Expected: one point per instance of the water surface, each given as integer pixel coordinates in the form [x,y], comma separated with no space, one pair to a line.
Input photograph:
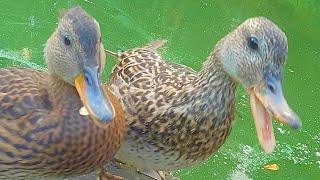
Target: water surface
[193,28]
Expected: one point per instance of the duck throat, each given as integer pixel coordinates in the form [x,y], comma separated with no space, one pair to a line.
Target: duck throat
[213,93]
[207,109]
[60,90]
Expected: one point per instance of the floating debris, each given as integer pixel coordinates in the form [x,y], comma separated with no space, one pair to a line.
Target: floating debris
[272,167]
[83,111]
[26,53]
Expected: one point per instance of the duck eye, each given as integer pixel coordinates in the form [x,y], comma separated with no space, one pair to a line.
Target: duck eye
[253,43]
[67,40]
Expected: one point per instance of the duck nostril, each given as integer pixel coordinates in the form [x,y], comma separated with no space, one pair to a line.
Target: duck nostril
[272,88]
[87,79]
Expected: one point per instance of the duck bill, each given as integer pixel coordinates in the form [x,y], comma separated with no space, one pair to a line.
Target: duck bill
[92,95]
[267,101]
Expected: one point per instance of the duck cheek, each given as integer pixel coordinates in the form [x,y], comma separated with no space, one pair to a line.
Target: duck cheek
[102,59]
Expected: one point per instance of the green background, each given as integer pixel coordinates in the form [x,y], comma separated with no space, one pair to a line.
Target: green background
[193,28]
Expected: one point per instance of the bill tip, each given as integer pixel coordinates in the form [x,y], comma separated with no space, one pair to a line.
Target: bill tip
[296,124]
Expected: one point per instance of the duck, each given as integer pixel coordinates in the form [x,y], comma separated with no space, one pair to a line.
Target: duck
[62,122]
[177,117]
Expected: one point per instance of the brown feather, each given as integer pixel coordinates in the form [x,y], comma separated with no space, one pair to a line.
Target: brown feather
[43,134]
[177,117]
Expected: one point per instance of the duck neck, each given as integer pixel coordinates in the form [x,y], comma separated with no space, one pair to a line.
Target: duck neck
[59,89]
[213,93]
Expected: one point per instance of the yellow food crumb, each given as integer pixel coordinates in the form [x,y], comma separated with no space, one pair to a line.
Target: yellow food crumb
[83,111]
[272,167]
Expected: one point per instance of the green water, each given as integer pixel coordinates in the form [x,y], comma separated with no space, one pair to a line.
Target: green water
[192,28]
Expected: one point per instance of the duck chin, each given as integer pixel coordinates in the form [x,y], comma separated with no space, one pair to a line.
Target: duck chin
[263,121]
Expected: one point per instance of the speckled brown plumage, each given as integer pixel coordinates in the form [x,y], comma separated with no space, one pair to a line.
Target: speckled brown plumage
[42,134]
[177,117]
[163,106]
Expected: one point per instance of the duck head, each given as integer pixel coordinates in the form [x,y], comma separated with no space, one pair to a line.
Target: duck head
[74,53]
[254,55]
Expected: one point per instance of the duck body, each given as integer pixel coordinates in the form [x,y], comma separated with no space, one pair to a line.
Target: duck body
[162,108]
[43,133]
[177,117]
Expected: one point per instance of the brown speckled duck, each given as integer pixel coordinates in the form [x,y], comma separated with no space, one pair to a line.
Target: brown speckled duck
[177,117]
[43,132]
